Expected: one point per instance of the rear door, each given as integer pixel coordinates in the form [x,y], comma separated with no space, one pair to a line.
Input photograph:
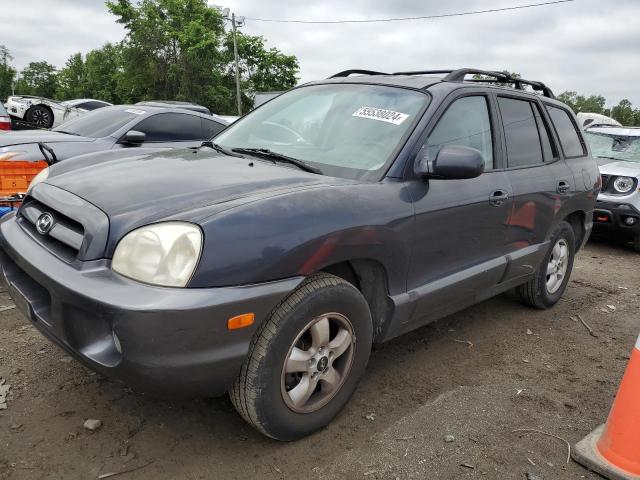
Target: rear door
[460,229]
[540,180]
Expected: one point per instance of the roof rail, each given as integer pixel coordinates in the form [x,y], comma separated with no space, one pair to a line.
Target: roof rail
[460,74]
[356,71]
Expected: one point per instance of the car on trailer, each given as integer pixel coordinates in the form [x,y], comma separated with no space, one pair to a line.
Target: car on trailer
[342,213]
[617,151]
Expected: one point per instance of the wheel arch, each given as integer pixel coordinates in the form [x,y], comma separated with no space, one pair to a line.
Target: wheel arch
[577,221]
[370,277]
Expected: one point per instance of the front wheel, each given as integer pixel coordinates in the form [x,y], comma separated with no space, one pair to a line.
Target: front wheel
[306,360]
[550,281]
[40,116]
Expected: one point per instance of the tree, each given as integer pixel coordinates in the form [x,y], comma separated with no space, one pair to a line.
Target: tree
[7,73]
[582,103]
[624,113]
[38,78]
[71,79]
[179,50]
[104,75]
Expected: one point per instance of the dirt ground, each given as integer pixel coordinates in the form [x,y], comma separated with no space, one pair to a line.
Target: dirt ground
[522,369]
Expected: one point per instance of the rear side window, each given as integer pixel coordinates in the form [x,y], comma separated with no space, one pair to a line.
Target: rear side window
[171,127]
[466,122]
[548,147]
[521,132]
[572,145]
[210,128]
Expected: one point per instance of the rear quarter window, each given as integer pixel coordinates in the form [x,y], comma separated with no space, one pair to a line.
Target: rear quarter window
[570,140]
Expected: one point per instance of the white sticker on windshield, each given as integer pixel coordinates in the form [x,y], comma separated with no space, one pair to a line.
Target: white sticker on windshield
[381,114]
[135,112]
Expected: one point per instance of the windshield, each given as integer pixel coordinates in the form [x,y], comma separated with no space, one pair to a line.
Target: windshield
[100,123]
[345,130]
[618,147]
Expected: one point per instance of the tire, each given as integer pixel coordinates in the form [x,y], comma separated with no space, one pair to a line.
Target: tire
[636,242]
[40,116]
[537,292]
[261,391]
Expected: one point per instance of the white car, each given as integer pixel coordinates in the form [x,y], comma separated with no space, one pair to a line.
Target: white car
[46,113]
[595,119]
[617,151]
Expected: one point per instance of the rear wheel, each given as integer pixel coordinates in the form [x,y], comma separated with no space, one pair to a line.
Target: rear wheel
[40,116]
[306,360]
[550,281]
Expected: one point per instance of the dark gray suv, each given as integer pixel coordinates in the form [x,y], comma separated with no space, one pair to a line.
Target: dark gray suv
[342,213]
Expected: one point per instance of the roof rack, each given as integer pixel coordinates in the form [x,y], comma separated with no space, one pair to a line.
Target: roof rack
[460,74]
[356,71]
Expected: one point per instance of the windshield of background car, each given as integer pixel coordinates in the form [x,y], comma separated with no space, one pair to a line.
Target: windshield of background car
[345,130]
[614,146]
[100,123]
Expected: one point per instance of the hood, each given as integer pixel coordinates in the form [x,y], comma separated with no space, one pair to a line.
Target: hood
[618,167]
[180,184]
[22,137]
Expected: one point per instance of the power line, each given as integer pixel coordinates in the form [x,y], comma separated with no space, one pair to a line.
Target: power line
[424,17]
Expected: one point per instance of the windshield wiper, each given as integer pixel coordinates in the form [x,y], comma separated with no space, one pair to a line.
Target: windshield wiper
[68,133]
[278,157]
[220,149]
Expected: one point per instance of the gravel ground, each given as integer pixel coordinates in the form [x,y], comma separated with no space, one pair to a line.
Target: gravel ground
[444,401]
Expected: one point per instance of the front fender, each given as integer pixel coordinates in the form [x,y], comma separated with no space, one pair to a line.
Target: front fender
[301,232]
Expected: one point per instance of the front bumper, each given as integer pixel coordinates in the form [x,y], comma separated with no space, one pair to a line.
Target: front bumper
[167,341]
[612,216]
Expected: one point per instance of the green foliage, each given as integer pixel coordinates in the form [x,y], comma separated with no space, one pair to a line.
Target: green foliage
[71,79]
[581,103]
[39,78]
[7,73]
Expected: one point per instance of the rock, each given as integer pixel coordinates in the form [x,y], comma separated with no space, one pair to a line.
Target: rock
[42,351]
[16,371]
[611,307]
[92,424]
[66,359]
[449,438]
[529,332]
[371,417]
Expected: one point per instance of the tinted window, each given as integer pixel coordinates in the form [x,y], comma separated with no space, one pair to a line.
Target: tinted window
[569,137]
[170,127]
[99,123]
[521,132]
[210,128]
[466,122]
[548,147]
[92,105]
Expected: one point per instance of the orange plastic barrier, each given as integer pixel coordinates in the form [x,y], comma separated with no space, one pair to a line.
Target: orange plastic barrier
[16,175]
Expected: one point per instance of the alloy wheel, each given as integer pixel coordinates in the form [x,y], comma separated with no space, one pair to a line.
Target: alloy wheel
[557,266]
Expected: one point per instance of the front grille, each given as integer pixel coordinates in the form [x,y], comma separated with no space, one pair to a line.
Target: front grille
[64,238]
[78,230]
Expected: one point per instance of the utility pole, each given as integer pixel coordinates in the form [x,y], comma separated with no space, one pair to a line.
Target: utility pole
[235,23]
[235,54]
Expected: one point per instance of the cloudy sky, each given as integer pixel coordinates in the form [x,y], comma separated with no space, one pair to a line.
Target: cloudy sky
[591,46]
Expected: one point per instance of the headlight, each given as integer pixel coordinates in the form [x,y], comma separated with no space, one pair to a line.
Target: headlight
[164,254]
[39,178]
[623,184]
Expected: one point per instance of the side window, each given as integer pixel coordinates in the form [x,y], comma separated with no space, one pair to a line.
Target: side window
[521,132]
[210,128]
[548,146]
[466,122]
[170,127]
[570,140]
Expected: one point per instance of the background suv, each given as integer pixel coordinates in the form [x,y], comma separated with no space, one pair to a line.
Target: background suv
[341,213]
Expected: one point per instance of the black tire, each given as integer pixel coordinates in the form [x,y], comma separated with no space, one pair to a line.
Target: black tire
[636,242]
[40,115]
[257,391]
[535,293]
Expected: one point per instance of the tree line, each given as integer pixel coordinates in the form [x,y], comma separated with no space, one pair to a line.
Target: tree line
[173,50]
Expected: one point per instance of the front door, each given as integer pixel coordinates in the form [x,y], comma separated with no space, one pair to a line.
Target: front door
[460,225]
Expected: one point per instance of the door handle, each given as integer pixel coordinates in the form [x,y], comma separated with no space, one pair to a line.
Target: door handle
[498,198]
[563,187]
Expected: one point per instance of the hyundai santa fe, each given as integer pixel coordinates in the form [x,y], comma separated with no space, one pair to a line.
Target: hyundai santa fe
[266,262]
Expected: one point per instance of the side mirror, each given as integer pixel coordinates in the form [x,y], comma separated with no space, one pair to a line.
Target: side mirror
[453,162]
[133,137]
